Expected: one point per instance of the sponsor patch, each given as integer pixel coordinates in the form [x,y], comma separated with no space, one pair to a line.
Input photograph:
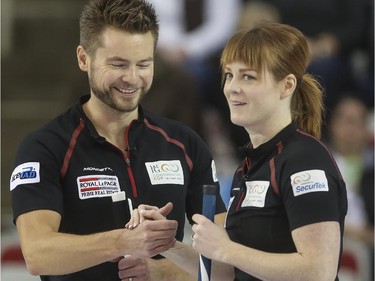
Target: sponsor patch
[255,194]
[94,186]
[25,173]
[309,181]
[165,172]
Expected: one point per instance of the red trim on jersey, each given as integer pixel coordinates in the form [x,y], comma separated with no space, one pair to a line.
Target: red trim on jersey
[274,185]
[70,150]
[174,141]
[325,147]
[280,147]
[240,201]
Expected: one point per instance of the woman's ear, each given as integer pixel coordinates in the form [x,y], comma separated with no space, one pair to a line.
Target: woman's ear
[82,58]
[290,84]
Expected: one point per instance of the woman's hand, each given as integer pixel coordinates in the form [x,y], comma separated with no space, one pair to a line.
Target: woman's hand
[148,212]
[208,238]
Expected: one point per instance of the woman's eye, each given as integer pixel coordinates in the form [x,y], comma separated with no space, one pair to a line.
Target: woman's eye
[228,76]
[248,77]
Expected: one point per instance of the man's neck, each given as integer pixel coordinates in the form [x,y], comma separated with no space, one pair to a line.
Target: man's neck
[109,123]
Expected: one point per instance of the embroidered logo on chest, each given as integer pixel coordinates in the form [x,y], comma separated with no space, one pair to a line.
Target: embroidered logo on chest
[255,194]
[94,186]
[165,172]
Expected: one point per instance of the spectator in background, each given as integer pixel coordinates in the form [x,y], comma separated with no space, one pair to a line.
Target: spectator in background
[348,139]
[335,28]
[194,31]
[172,95]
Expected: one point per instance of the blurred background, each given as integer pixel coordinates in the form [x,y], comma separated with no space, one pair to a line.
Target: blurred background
[40,79]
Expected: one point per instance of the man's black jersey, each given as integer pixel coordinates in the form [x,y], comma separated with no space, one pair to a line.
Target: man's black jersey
[67,167]
[286,183]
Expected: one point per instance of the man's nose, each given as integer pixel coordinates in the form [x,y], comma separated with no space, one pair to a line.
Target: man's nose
[130,75]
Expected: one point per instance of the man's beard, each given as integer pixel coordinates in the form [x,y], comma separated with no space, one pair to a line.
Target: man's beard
[109,98]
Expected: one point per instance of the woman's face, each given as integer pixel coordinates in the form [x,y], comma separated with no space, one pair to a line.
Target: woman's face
[254,99]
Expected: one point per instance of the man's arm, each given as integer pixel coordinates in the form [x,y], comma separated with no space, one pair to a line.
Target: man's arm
[48,252]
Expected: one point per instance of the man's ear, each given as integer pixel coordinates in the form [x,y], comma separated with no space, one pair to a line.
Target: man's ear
[290,84]
[82,58]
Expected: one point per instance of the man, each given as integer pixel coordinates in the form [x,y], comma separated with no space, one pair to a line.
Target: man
[66,172]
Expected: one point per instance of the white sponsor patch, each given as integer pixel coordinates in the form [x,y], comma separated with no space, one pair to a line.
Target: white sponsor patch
[255,193]
[165,172]
[25,173]
[94,186]
[214,173]
[309,181]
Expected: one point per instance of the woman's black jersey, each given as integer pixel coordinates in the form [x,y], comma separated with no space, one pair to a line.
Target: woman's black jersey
[286,183]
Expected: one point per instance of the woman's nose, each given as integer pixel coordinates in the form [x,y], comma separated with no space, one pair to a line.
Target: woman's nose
[232,87]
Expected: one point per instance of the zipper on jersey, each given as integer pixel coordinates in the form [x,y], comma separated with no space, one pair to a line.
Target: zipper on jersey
[127,155]
[240,188]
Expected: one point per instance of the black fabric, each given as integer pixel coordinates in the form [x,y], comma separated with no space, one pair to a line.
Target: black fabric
[95,168]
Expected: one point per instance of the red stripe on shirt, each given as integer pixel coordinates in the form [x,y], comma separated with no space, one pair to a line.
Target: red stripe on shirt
[72,144]
[171,140]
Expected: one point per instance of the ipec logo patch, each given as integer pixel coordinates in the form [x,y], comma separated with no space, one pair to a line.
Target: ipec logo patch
[26,173]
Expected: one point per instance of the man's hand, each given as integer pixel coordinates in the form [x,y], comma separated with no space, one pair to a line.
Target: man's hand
[149,232]
[150,237]
[135,268]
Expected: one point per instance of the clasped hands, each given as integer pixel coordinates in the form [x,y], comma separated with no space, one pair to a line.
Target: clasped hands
[207,236]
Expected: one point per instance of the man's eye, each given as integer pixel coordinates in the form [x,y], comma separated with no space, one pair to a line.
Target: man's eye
[117,64]
[143,65]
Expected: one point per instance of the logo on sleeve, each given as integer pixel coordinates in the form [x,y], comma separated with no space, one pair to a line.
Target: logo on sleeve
[94,186]
[25,173]
[165,172]
[309,181]
[255,194]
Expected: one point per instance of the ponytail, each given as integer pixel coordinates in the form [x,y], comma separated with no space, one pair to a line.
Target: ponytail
[307,106]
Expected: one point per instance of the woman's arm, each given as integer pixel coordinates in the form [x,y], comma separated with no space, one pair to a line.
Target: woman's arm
[318,247]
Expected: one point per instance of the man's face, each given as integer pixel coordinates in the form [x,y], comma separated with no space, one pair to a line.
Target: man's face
[121,70]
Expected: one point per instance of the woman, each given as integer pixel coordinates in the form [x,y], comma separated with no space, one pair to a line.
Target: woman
[288,201]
